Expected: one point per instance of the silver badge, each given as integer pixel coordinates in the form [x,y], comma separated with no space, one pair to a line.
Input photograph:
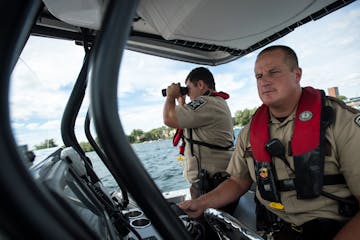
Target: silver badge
[195,104]
[357,120]
[305,116]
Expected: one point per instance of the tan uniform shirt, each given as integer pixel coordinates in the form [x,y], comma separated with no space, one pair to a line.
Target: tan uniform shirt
[344,138]
[210,119]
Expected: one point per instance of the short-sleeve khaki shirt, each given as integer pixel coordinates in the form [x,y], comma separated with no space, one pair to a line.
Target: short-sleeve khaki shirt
[344,158]
[210,119]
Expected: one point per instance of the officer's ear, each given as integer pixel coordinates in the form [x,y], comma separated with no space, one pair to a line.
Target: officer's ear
[201,84]
[298,72]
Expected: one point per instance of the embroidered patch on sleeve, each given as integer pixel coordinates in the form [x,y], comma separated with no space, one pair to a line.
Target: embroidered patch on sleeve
[196,103]
[357,120]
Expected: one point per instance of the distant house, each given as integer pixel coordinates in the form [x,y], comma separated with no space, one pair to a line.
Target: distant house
[353,102]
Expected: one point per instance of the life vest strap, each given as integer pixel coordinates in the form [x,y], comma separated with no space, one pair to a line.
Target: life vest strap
[289,184]
[209,145]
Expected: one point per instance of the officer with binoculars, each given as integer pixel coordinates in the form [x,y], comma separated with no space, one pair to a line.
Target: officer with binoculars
[206,126]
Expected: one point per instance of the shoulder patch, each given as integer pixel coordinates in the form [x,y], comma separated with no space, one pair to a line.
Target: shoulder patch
[357,120]
[195,104]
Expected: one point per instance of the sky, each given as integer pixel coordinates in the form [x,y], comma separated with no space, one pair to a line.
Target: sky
[328,52]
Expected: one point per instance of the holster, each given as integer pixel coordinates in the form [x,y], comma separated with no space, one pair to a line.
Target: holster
[204,181]
[207,183]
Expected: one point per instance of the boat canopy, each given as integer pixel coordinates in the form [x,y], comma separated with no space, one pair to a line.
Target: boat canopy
[208,32]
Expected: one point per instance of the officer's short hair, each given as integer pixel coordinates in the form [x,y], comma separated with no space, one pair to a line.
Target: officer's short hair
[290,56]
[201,73]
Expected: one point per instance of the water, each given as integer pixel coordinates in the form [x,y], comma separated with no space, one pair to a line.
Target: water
[158,157]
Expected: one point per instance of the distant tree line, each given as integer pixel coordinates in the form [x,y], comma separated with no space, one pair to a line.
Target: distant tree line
[342,98]
[47,143]
[241,118]
[138,135]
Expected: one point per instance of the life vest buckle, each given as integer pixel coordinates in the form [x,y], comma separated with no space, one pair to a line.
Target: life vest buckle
[276,205]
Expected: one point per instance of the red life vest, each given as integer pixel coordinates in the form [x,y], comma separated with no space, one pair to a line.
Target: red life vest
[307,147]
[306,134]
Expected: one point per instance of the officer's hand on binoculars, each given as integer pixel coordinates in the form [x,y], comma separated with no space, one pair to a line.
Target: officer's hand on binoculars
[173,91]
[175,87]
[181,99]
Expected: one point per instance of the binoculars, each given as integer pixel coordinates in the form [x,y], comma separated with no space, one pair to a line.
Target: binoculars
[183,91]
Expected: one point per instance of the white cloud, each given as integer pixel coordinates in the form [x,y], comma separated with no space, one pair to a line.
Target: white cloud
[142,117]
[144,72]
[41,83]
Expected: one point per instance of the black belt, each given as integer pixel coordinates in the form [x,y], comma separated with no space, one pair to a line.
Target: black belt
[289,184]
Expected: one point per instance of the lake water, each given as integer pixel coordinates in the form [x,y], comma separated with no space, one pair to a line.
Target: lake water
[160,160]
[158,157]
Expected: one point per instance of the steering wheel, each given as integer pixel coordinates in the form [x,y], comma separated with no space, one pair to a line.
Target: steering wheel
[228,227]
[194,227]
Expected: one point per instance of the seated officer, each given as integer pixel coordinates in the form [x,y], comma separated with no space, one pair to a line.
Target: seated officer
[302,151]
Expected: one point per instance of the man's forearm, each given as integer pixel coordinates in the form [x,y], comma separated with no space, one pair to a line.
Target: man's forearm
[169,113]
[225,193]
